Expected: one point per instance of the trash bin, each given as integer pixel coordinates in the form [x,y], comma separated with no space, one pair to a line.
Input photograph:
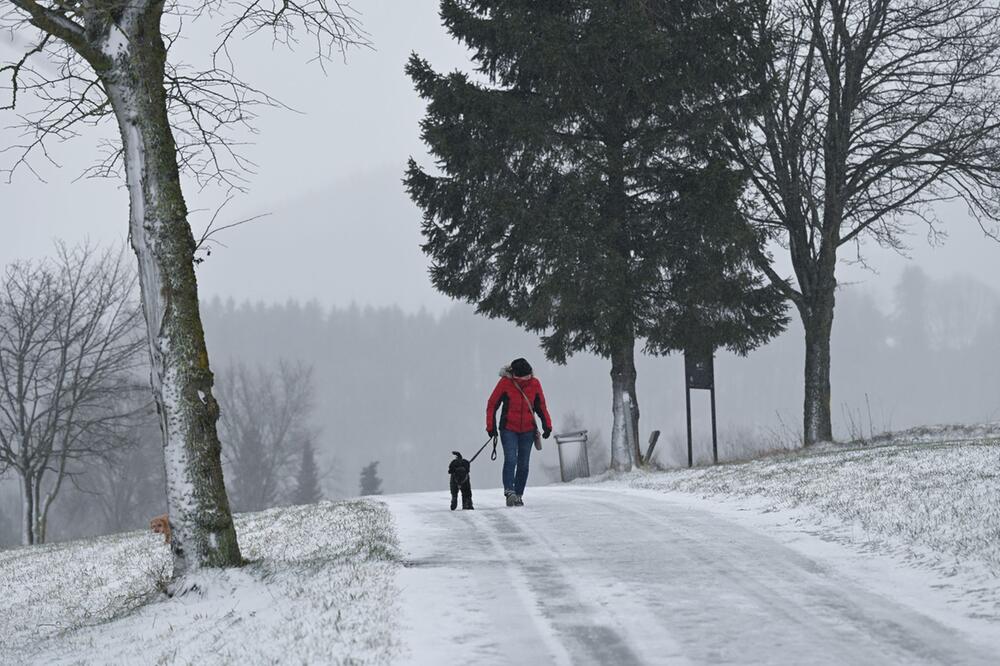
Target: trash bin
[573,461]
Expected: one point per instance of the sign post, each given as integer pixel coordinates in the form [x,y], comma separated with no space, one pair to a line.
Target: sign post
[581,466]
[699,373]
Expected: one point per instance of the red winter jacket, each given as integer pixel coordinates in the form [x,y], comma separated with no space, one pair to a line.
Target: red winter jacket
[516,414]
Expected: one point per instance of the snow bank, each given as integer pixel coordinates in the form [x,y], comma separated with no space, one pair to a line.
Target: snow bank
[927,495]
[941,434]
[319,588]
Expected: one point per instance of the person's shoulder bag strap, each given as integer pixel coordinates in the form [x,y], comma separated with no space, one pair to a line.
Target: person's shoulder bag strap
[531,410]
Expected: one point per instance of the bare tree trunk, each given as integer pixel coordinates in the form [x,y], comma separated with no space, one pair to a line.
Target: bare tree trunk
[27,511]
[818,323]
[36,505]
[42,507]
[625,426]
[200,517]
[41,523]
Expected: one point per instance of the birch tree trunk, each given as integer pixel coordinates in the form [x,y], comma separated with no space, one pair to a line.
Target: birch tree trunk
[201,521]
[625,425]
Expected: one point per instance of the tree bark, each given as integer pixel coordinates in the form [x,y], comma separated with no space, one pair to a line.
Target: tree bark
[36,505]
[42,507]
[817,319]
[625,426]
[27,511]
[203,534]
[42,523]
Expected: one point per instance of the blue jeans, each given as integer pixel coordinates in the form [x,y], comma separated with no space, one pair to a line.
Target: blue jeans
[516,453]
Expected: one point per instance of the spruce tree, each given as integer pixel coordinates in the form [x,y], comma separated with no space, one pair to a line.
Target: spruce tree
[371,484]
[307,490]
[581,190]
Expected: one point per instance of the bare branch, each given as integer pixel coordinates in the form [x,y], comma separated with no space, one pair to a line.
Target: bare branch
[331,25]
[208,106]
[208,236]
[878,111]
[70,337]
[53,22]
[16,68]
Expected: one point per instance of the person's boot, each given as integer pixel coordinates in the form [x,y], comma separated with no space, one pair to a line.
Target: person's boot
[518,501]
[510,498]
[454,502]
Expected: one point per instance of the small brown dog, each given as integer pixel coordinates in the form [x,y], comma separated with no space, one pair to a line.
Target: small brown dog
[161,525]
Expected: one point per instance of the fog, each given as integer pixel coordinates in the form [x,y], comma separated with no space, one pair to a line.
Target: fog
[340,229]
[406,389]
[333,276]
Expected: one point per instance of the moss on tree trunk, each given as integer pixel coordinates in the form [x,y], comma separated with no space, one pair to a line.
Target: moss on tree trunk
[200,517]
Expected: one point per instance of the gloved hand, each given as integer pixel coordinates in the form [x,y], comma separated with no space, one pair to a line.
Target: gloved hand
[491,433]
[546,433]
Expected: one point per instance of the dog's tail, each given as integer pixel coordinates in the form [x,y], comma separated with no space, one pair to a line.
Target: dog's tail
[457,454]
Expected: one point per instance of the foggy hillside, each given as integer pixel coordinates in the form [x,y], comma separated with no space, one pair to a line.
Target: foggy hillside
[405,389]
[376,368]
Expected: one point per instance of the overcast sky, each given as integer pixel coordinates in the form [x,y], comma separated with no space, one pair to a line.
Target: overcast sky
[341,228]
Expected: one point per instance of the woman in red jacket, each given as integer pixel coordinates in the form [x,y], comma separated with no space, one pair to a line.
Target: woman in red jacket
[521,396]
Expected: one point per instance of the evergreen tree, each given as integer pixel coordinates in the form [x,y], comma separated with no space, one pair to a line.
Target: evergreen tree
[307,490]
[583,194]
[371,484]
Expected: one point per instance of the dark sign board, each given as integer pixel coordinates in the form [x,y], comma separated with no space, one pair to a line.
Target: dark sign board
[698,369]
[699,374]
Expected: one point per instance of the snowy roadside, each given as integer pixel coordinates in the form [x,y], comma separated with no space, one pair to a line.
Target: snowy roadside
[929,502]
[319,589]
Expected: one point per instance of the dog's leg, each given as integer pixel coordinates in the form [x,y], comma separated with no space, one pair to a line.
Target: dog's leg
[454,494]
[467,494]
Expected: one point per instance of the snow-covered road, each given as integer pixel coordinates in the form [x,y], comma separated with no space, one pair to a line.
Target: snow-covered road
[589,575]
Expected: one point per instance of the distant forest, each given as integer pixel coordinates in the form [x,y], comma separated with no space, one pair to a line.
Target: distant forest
[406,389]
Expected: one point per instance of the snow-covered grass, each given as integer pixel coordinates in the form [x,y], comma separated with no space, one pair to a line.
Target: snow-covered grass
[319,588]
[930,495]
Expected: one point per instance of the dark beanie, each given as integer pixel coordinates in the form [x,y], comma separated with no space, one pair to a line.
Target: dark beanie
[520,368]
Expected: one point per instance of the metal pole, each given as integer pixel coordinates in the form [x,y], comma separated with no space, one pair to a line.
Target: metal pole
[687,396]
[715,445]
[562,472]
[586,457]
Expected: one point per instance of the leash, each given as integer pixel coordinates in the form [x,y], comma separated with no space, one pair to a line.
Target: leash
[493,456]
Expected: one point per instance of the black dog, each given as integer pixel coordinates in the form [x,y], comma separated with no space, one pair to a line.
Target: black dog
[459,471]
